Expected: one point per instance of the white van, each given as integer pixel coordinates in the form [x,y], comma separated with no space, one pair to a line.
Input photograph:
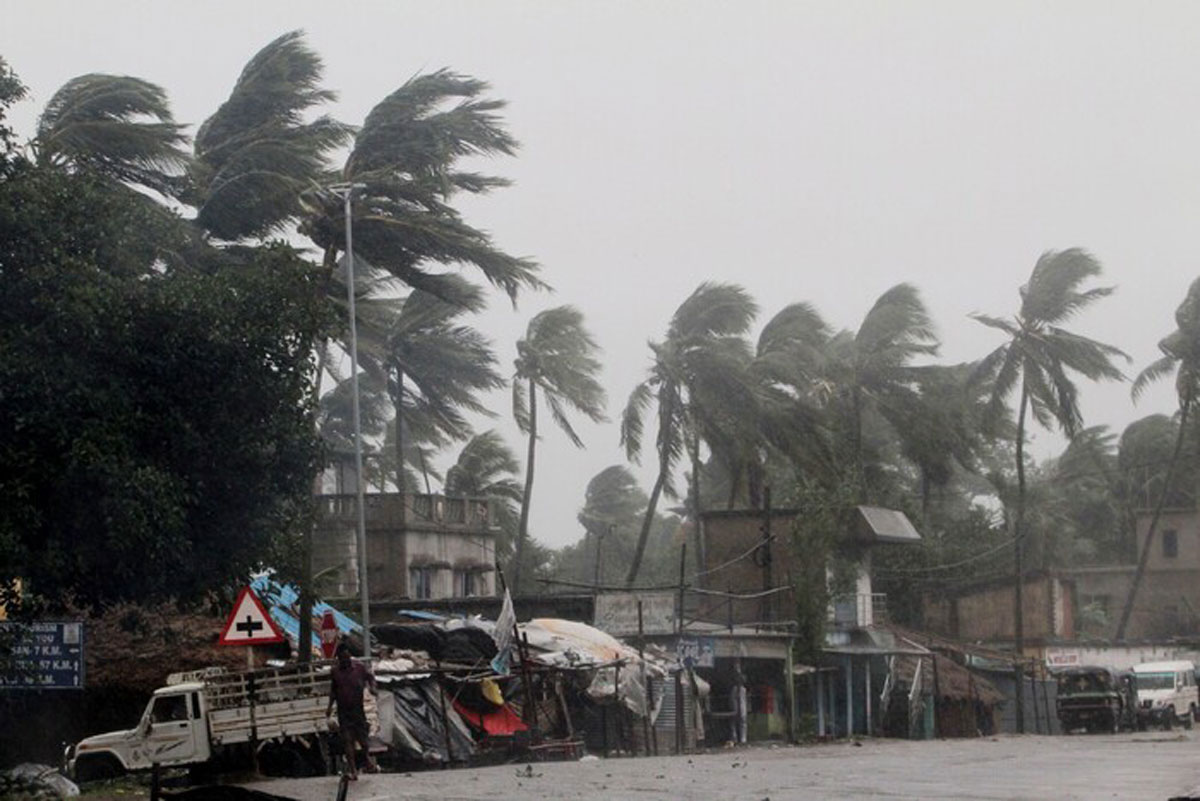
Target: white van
[1167,692]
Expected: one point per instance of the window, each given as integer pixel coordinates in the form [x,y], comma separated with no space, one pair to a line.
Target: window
[1170,546]
[466,583]
[420,582]
[169,708]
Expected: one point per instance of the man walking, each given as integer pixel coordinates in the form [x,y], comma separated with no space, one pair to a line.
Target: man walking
[347,681]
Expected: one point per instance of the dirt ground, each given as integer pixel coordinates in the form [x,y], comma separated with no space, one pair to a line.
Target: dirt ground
[1141,766]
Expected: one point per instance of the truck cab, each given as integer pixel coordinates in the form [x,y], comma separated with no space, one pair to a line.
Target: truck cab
[173,730]
[1167,692]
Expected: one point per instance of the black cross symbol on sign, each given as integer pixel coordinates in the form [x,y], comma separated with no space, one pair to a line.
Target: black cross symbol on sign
[249,626]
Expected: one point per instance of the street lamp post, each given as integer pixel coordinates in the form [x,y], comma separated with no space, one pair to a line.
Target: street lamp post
[347,193]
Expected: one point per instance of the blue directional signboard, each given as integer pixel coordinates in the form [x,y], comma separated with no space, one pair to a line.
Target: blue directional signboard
[47,655]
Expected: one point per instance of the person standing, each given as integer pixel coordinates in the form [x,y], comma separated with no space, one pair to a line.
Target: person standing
[347,682]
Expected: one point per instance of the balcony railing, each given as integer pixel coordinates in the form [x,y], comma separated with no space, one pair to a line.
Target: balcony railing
[422,509]
[856,610]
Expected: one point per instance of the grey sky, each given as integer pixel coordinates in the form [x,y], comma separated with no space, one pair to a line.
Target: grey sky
[809,151]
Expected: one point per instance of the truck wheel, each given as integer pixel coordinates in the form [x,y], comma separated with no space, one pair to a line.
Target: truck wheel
[97,768]
[1187,719]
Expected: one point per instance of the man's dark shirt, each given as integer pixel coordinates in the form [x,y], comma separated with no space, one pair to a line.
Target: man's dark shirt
[347,686]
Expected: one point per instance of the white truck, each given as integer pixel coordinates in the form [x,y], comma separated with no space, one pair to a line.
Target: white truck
[1167,693]
[221,718]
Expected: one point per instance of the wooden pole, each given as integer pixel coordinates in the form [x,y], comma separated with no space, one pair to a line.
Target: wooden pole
[645,681]
[445,718]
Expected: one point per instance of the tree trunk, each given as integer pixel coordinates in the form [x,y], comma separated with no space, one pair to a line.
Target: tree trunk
[398,405]
[1019,567]
[859,467]
[523,526]
[1144,557]
[647,521]
[304,636]
[696,524]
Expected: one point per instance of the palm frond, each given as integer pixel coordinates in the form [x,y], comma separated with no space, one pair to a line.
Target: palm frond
[117,126]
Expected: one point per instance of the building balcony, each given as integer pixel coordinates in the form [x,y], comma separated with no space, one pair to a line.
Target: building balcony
[391,510]
[857,610]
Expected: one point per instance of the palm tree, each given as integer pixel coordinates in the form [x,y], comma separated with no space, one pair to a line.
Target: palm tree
[697,375]
[1040,355]
[404,158]
[557,356]
[1181,355]
[256,155]
[117,126]
[789,360]
[870,375]
[435,366]
[487,468]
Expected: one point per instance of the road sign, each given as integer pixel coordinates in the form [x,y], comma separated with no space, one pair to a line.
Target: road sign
[249,623]
[46,655]
[329,634]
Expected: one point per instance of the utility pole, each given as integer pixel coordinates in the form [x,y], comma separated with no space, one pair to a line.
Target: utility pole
[766,555]
[347,193]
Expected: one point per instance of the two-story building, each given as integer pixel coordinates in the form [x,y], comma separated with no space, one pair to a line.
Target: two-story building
[419,546]
[748,577]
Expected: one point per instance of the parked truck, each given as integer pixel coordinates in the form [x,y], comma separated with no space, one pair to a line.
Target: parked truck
[219,718]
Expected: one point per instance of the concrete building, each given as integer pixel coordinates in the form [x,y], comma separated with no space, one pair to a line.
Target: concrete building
[1168,602]
[419,546]
[983,612]
[750,552]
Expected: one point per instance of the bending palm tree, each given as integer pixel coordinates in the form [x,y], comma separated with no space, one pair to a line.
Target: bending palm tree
[1039,355]
[117,126]
[697,374]
[1181,353]
[435,367]
[870,372]
[487,468]
[256,155]
[557,356]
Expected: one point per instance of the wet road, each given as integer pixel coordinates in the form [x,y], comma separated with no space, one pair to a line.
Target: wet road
[1152,765]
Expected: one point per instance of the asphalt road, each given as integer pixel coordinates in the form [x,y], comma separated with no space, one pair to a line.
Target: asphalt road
[1146,766]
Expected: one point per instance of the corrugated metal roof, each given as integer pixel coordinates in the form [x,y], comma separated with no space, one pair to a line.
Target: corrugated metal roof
[886,525]
[283,603]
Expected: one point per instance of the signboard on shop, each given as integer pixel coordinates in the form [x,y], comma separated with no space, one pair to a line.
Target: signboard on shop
[46,655]
[694,652]
[617,612]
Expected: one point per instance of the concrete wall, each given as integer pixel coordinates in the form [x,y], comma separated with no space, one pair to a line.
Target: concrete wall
[986,614]
[729,535]
[1166,605]
[1186,525]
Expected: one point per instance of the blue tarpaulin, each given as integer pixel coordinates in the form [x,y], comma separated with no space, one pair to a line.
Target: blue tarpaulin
[283,604]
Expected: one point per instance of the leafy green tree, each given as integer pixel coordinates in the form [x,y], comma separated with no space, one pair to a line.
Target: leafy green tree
[1181,355]
[170,450]
[697,374]
[557,356]
[1040,356]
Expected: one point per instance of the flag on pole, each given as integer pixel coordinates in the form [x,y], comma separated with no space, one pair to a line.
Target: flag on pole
[506,625]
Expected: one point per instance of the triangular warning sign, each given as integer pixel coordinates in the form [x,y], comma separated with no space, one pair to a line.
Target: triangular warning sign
[249,624]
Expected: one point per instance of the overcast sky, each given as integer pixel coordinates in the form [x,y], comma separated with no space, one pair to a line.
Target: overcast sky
[808,151]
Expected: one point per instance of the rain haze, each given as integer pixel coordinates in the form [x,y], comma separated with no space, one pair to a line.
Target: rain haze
[807,151]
